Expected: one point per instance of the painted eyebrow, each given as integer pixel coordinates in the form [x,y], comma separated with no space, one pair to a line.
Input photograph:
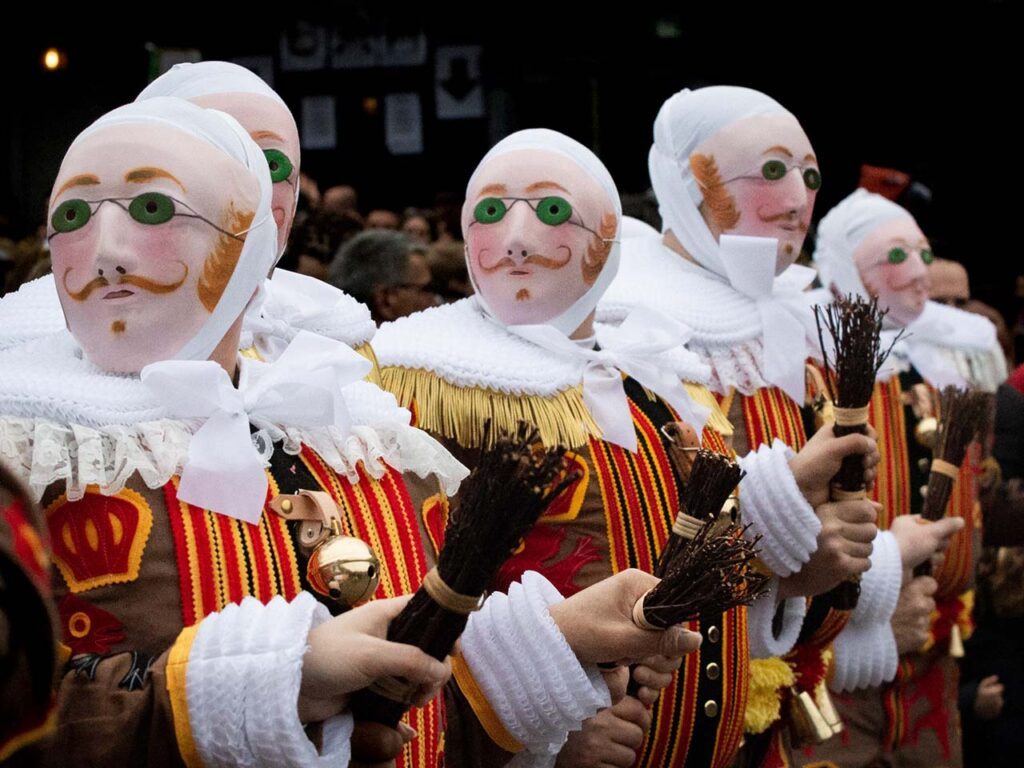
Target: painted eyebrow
[494,189]
[810,159]
[257,135]
[81,180]
[140,175]
[778,148]
[545,185]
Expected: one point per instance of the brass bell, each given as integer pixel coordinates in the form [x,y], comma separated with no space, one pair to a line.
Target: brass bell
[956,642]
[828,708]
[807,725]
[344,568]
[925,430]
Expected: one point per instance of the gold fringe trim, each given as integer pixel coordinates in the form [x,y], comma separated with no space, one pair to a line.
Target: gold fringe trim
[366,350]
[718,420]
[459,413]
[768,678]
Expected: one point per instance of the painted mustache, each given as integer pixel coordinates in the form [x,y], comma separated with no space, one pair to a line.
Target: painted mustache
[533,258]
[145,283]
[782,218]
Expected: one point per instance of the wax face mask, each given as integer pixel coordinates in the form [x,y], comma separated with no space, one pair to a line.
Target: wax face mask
[538,233]
[273,129]
[759,177]
[146,227]
[892,261]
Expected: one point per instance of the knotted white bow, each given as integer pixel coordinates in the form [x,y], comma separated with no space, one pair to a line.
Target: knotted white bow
[302,388]
[637,348]
[787,320]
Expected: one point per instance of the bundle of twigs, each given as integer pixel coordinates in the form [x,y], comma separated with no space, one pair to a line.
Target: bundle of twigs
[709,480]
[962,415]
[708,574]
[512,484]
[851,361]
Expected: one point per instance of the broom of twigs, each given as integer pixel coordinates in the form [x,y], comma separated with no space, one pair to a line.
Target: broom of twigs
[709,479]
[512,484]
[963,414]
[706,565]
[854,326]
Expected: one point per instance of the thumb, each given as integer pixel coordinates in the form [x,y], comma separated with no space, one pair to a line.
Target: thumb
[390,659]
[677,642]
[946,527]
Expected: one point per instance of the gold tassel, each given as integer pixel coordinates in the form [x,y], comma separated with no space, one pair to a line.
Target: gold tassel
[718,420]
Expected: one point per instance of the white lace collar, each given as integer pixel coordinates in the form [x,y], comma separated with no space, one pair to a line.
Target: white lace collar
[457,343]
[726,324]
[63,420]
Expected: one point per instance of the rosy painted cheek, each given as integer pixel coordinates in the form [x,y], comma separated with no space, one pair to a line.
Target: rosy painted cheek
[485,246]
[74,250]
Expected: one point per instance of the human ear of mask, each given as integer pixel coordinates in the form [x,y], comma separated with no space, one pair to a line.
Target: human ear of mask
[540,220]
[160,232]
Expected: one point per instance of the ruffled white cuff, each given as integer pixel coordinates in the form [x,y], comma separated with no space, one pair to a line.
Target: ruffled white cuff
[242,686]
[526,669]
[764,644]
[865,651]
[776,510]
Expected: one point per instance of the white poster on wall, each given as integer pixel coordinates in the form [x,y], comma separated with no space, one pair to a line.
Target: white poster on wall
[318,127]
[403,123]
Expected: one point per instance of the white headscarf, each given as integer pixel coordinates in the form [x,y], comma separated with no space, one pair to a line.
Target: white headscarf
[206,78]
[684,122]
[260,249]
[843,229]
[641,339]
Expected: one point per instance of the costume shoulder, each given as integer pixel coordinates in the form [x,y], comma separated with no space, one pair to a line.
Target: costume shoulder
[458,369]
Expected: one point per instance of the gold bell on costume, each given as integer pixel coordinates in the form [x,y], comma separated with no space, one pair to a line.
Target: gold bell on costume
[341,567]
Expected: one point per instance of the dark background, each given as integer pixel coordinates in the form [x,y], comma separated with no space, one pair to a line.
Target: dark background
[891,84]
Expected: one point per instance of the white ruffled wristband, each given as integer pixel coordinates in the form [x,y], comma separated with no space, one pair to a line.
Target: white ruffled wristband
[764,644]
[242,686]
[776,510]
[526,669]
[865,651]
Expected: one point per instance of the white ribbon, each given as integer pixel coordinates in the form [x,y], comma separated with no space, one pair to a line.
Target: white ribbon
[634,347]
[787,320]
[224,471]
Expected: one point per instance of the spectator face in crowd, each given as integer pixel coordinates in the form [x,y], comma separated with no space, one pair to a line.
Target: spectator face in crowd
[417,229]
[949,284]
[339,199]
[382,270]
[379,218]
[447,262]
